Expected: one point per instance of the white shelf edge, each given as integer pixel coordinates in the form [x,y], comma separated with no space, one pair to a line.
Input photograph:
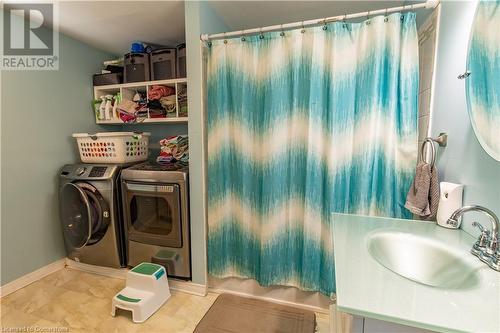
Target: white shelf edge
[145,121]
[140,84]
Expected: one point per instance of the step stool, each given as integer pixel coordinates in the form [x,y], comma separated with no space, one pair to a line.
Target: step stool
[146,290]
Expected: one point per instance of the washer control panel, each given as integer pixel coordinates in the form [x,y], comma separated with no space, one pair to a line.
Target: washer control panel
[80,170]
[88,171]
[97,171]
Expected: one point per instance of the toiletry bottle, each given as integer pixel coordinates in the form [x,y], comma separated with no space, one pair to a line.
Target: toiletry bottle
[102,108]
[116,101]
[108,107]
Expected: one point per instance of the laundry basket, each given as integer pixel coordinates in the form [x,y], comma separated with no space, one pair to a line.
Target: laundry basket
[113,147]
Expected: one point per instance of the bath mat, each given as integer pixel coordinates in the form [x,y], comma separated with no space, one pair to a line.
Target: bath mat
[235,314]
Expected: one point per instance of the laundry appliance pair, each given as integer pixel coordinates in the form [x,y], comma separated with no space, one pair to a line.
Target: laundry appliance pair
[117,216]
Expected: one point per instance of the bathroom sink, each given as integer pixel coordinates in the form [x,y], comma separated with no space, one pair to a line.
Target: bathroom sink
[423,260]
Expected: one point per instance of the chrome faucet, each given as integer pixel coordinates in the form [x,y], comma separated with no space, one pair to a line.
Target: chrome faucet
[486,247]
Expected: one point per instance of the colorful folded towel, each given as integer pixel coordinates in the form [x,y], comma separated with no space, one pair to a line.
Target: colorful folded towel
[157,92]
[174,148]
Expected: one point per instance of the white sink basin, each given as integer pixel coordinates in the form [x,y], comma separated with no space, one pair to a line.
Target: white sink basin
[423,260]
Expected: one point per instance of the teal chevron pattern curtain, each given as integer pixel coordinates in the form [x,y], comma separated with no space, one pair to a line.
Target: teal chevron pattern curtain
[302,124]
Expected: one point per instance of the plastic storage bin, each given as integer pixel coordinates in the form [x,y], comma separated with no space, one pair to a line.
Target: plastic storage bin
[113,147]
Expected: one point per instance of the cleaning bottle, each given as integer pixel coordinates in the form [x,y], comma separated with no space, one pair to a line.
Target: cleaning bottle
[108,107]
[102,108]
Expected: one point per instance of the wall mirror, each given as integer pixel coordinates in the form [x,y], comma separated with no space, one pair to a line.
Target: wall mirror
[483,84]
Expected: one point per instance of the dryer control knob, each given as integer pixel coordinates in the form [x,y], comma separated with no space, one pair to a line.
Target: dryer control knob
[80,170]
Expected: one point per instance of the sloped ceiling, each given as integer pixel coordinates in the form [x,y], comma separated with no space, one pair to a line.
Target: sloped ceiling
[112,25]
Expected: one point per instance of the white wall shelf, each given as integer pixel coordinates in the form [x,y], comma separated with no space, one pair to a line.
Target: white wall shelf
[127,91]
[145,121]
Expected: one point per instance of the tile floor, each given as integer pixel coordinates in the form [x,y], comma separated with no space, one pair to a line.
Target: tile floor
[74,301]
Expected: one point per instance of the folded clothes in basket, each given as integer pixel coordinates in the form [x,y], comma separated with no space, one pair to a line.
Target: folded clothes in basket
[174,148]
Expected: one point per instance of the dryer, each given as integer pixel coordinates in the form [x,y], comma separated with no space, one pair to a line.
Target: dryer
[155,202]
[90,214]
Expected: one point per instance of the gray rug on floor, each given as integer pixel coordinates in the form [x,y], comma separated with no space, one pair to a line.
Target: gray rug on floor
[235,314]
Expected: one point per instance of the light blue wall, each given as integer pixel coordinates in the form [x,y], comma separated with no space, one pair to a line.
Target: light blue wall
[200,18]
[463,160]
[40,111]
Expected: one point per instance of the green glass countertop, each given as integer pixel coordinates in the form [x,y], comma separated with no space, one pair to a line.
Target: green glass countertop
[368,289]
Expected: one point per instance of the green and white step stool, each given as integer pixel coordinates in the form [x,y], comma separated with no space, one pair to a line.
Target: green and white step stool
[146,290]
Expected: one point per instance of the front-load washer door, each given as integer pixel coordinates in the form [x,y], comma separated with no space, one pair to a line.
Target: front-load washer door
[85,214]
[76,216]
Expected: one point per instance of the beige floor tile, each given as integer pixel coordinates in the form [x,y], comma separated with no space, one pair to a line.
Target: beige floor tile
[18,318]
[4,309]
[43,325]
[82,303]
[122,323]
[32,297]
[95,285]
[62,276]
[63,306]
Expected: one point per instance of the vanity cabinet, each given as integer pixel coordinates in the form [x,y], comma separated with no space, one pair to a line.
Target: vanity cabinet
[342,322]
[379,326]
[369,325]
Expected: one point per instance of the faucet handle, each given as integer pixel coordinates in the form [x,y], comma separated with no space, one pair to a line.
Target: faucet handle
[479,226]
[482,242]
[495,261]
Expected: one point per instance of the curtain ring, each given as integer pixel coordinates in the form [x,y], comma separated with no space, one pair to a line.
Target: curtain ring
[243,37]
[344,23]
[368,18]
[261,36]
[225,40]
[282,33]
[303,29]
[324,24]
[386,18]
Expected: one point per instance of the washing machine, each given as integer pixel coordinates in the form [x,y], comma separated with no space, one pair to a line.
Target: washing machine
[90,214]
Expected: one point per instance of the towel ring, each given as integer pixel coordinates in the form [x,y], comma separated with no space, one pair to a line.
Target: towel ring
[433,151]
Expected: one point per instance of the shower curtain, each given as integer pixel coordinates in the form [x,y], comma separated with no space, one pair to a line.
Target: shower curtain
[302,124]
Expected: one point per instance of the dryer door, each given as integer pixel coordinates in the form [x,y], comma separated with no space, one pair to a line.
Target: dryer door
[76,216]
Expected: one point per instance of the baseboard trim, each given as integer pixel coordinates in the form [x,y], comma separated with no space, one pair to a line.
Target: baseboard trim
[121,273]
[270,299]
[188,287]
[29,278]
[118,273]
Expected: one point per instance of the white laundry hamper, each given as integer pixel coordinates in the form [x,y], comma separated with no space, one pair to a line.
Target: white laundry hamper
[113,147]
[146,290]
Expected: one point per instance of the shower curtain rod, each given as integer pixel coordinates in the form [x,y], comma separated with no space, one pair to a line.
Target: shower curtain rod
[303,24]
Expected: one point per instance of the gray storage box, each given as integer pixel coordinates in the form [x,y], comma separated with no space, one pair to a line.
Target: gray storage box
[107,78]
[162,64]
[136,67]
[181,61]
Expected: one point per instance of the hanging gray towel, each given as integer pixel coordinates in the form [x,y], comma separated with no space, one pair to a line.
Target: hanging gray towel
[417,199]
[433,193]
